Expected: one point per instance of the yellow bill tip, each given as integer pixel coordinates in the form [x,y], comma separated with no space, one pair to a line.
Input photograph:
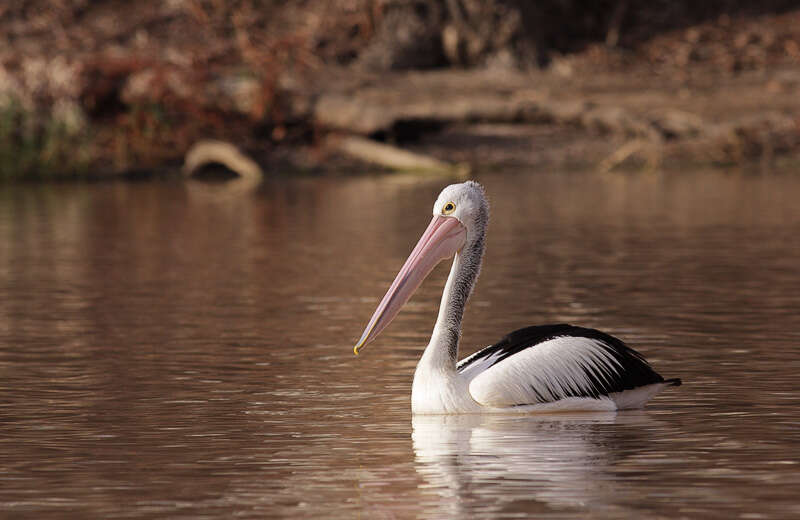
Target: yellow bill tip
[360,344]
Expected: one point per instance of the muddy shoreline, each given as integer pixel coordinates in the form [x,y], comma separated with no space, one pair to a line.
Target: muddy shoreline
[135,97]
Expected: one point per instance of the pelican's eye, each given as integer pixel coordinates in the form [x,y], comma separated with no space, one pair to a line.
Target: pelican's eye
[448,208]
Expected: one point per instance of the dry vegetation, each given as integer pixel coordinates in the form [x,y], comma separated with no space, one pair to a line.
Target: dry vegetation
[106,86]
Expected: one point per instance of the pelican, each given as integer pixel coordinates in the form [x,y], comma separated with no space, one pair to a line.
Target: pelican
[542,368]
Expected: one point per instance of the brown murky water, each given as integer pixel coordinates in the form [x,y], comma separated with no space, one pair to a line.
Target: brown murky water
[171,350]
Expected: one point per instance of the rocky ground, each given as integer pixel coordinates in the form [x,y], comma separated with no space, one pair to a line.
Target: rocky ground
[106,88]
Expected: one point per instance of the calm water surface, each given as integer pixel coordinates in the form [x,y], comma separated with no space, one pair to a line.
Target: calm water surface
[183,351]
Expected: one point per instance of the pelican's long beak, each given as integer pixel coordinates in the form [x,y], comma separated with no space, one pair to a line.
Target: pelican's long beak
[443,238]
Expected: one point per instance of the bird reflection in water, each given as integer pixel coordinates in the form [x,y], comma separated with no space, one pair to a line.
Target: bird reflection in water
[506,464]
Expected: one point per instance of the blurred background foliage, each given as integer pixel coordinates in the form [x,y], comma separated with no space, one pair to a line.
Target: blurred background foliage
[134,84]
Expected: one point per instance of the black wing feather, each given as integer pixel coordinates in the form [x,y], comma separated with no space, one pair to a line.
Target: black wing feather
[632,371]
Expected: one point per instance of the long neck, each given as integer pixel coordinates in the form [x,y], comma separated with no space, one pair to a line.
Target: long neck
[442,351]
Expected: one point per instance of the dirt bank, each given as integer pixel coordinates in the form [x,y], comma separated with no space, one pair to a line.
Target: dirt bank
[104,88]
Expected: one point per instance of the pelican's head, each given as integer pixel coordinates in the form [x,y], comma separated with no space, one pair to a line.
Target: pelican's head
[460,216]
[466,202]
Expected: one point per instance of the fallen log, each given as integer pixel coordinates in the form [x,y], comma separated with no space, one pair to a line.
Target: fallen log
[207,152]
[392,157]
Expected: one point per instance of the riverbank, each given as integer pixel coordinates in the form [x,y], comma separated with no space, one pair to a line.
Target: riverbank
[132,89]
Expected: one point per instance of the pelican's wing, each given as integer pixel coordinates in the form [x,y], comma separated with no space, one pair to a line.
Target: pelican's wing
[546,363]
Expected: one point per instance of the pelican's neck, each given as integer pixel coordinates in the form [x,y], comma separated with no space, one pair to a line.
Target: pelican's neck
[442,350]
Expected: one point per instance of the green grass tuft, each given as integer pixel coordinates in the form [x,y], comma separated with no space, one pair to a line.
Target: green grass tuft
[35,146]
